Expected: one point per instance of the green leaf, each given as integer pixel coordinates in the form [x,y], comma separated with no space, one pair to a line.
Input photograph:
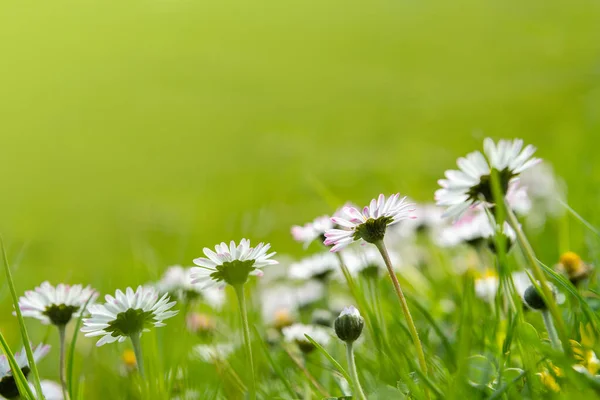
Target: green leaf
[23,328]
[330,358]
[20,379]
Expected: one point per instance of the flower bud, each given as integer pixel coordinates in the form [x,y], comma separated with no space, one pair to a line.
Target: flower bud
[534,299]
[349,325]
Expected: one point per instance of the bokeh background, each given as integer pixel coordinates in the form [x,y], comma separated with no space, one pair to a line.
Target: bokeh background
[133,134]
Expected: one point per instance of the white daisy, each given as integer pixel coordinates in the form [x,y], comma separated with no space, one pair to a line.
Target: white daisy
[8,386]
[56,305]
[51,390]
[366,261]
[295,334]
[127,314]
[472,227]
[464,187]
[177,281]
[289,298]
[231,264]
[486,287]
[211,352]
[313,230]
[370,224]
[318,266]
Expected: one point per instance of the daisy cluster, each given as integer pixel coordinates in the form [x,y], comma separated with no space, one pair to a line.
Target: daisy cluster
[347,257]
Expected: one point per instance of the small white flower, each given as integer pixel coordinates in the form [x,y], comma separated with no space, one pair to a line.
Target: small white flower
[127,314]
[312,231]
[211,352]
[177,281]
[318,266]
[471,228]
[289,298]
[231,264]
[366,260]
[486,287]
[56,305]
[8,387]
[370,224]
[465,187]
[51,390]
[295,334]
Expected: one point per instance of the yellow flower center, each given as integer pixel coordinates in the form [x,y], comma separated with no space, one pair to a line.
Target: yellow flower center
[128,358]
[571,262]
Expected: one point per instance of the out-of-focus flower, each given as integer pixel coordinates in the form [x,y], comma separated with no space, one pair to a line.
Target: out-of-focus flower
[486,285]
[546,194]
[177,281]
[200,324]
[312,231]
[318,266]
[231,264]
[296,334]
[473,228]
[370,224]
[56,305]
[213,352]
[8,385]
[573,266]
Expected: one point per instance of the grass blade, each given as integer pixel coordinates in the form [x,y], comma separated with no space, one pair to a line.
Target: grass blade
[275,366]
[330,358]
[24,334]
[580,218]
[18,375]
[71,357]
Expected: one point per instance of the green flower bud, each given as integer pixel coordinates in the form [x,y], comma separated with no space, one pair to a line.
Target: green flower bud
[534,299]
[349,325]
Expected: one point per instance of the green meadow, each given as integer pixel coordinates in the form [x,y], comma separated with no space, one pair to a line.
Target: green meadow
[135,133]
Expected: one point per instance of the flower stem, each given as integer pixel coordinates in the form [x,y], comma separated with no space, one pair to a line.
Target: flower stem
[61,365]
[539,275]
[137,350]
[358,390]
[239,291]
[551,330]
[409,320]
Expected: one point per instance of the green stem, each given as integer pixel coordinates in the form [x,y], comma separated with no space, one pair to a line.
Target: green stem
[358,390]
[551,330]
[239,291]
[137,350]
[61,365]
[409,320]
[539,275]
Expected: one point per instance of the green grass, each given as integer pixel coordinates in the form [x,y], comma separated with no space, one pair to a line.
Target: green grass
[133,134]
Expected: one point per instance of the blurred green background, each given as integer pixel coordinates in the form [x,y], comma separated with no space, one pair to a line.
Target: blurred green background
[135,133]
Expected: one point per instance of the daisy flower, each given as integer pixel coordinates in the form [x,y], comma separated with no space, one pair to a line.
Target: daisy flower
[311,231]
[474,227]
[177,281]
[231,264]
[370,224]
[127,314]
[465,187]
[318,266]
[366,262]
[210,353]
[56,305]
[295,334]
[8,385]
